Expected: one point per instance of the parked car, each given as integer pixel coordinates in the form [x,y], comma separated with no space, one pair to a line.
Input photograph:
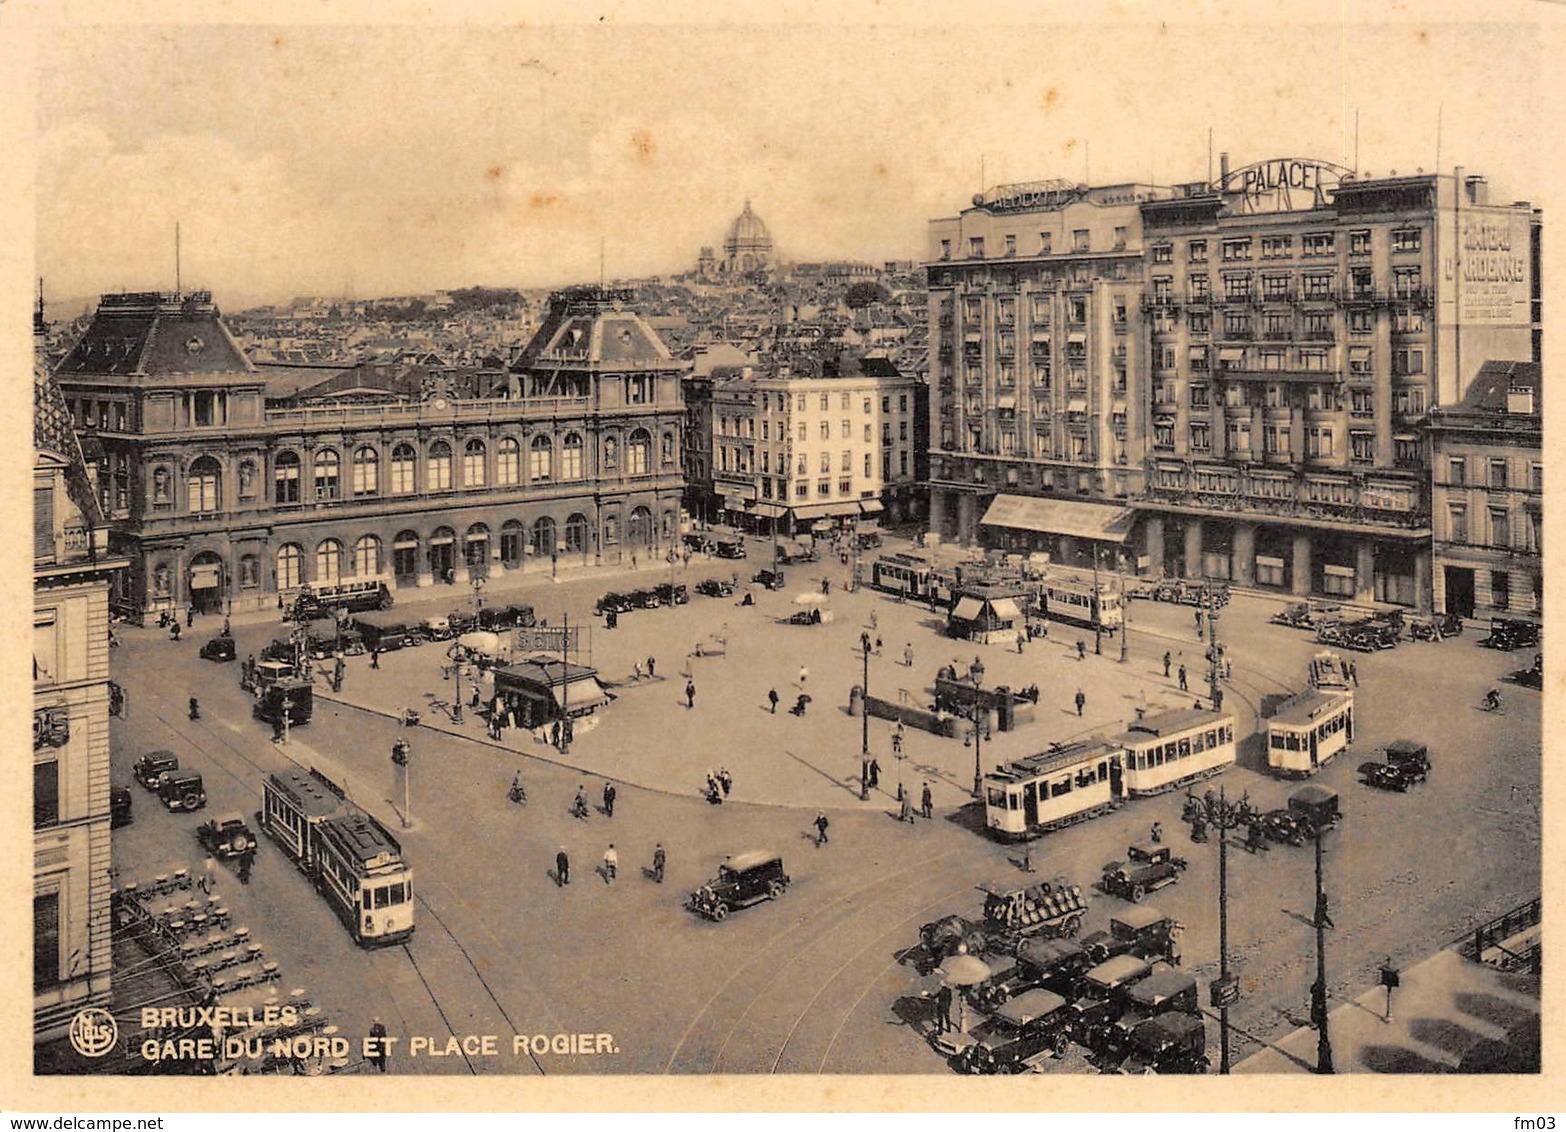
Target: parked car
[1169,1043]
[869,540]
[1306,615]
[1143,931]
[1149,868]
[1384,777]
[150,768]
[1316,807]
[644,599]
[120,806]
[730,548]
[614,603]
[219,649]
[698,543]
[769,579]
[226,835]
[672,594]
[1532,676]
[1054,964]
[714,587]
[494,617]
[1102,998]
[1413,758]
[742,880]
[182,790]
[1017,1035]
[791,552]
[1509,633]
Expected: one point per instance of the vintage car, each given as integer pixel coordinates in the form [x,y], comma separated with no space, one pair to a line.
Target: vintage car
[769,579]
[730,548]
[792,552]
[742,880]
[1316,808]
[1305,615]
[1409,756]
[1054,964]
[613,603]
[120,807]
[672,594]
[219,649]
[226,835]
[182,790]
[1143,931]
[1163,991]
[460,621]
[292,697]
[714,587]
[1384,777]
[1019,1033]
[1149,868]
[150,768]
[698,543]
[1365,635]
[1014,911]
[941,938]
[434,628]
[1101,997]
[868,540]
[1281,825]
[1436,627]
[493,617]
[1509,633]
[807,617]
[1531,677]
[643,599]
[1173,1042]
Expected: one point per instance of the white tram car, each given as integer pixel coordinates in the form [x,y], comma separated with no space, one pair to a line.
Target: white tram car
[1308,730]
[1073,600]
[1169,750]
[352,860]
[1056,788]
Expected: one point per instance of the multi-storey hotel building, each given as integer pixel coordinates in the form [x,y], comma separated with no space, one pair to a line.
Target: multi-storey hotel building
[227,497]
[1038,351]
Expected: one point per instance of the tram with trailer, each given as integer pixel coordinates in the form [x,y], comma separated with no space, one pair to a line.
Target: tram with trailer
[1066,784]
[913,576]
[350,857]
[1308,730]
[1074,601]
[1172,749]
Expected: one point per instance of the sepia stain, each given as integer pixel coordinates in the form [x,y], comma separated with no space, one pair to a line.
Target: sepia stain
[495,172]
[880,170]
[1051,98]
[543,200]
[235,187]
[643,145]
[1070,144]
[1423,38]
[277,42]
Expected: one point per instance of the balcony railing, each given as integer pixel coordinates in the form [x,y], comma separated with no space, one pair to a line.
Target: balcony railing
[371,415]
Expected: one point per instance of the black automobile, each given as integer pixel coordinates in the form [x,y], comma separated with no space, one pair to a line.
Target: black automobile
[742,880]
[1169,1043]
[151,768]
[714,587]
[219,649]
[120,806]
[670,594]
[1019,1031]
[730,548]
[1315,808]
[226,835]
[1142,930]
[507,617]
[614,603]
[1411,757]
[643,599]
[1507,633]
[182,790]
[1384,776]
[698,543]
[769,579]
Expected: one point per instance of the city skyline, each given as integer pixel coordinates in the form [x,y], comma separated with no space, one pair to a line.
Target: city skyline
[331,160]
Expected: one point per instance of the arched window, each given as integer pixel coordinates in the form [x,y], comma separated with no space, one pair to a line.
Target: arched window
[366,471]
[475,549]
[285,477]
[668,448]
[290,567]
[329,562]
[473,460]
[512,538]
[508,461]
[571,457]
[543,536]
[438,475]
[203,488]
[576,534]
[639,531]
[247,481]
[367,556]
[638,453]
[249,572]
[328,468]
[403,462]
[539,453]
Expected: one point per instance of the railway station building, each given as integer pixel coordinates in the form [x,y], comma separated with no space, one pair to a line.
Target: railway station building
[229,489]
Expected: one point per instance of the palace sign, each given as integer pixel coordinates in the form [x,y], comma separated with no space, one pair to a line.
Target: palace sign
[1283,184]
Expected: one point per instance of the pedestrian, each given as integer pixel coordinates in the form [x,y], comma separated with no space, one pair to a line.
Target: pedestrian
[579,804]
[1021,640]
[636,671]
[772,699]
[1156,834]
[1081,700]
[659,858]
[905,811]
[609,795]
[375,656]
[277,725]
[927,803]
[554,734]
[1354,672]
[375,1046]
[1228,670]
[878,646]
[690,694]
[1172,944]
[562,868]
[1167,659]
[1183,687]
[247,861]
[826,585]
[908,655]
[897,744]
[821,828]
[725,780]
[209,875]
[611,863]
[1198,624]
[1081,649]
[1027,856]
[473,701]
[864,641]
[190,617]
[804,674]
[874,623]
[652,668]
[875,774]
[943,1010]
[633,560]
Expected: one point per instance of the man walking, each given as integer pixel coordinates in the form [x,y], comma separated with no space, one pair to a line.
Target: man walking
[1354,672]
[609,794]
[908,655]
[375,656]
[1167,659]
[804,674]
[209,875]
[1183,687]
[927,803]
[772,698]
[690,694]
[725,780]
[1081,701]
[562,868]
[375,1047]
[652,668]
[943,1009]
[821,828]
[905,811]
[247,861]
[875,773]
[659,858]
[611,864]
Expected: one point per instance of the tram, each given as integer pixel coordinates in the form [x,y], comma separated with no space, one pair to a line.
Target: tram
[1169,750]
[1073,601]
[352,860]
[913,576]
[1309,729]
[1066,784]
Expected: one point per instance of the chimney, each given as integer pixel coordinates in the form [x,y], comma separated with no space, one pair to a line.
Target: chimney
[1223,167]
[1519,400]
[1478,190]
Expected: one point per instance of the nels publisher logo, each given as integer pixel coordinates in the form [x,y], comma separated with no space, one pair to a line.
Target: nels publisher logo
[93,1032]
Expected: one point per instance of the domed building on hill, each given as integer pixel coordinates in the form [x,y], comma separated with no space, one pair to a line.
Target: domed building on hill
[747,250]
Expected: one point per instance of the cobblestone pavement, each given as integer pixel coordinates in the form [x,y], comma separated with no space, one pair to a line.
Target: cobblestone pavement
[813,982]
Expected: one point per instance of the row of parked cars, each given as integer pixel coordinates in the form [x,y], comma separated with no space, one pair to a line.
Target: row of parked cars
[667,593]
[226,835]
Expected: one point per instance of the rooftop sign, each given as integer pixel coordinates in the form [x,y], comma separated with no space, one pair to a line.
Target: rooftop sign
[1032,196]
[1283,184]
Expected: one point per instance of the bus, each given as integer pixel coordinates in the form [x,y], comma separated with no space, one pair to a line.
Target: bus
[1072,600]
[356,595]
[1066,784]
[1308,730]
[350,857]
[1175,748]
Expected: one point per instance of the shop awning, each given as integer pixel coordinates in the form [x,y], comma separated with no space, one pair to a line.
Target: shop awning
[968,609]
[1006,609]
[770,509]
[1231,354]
[1076,338]
[870,507]
[1076,405]
[1060,517]
[580,694]
[820,510]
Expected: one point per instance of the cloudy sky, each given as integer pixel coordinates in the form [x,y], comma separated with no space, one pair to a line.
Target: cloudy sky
[394,159]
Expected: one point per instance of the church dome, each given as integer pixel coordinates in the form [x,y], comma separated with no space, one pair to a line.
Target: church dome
[748,229]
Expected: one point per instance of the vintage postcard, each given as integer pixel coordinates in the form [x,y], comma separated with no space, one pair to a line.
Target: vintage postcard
[793,557]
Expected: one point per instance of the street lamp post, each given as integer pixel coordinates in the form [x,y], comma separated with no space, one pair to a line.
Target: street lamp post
[1219,812]
[864,721]
[977,674]
[1215,697]
[401,750]
[1098,620]
[1318,990]
[1125,621]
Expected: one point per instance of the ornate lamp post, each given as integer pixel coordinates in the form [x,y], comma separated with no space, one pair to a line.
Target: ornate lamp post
[1098,620]
[1318,990]
[1219,812]
[1214,693]
[976,673]
[864,720]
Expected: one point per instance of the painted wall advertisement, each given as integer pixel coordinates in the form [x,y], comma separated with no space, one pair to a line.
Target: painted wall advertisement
[1489,272]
